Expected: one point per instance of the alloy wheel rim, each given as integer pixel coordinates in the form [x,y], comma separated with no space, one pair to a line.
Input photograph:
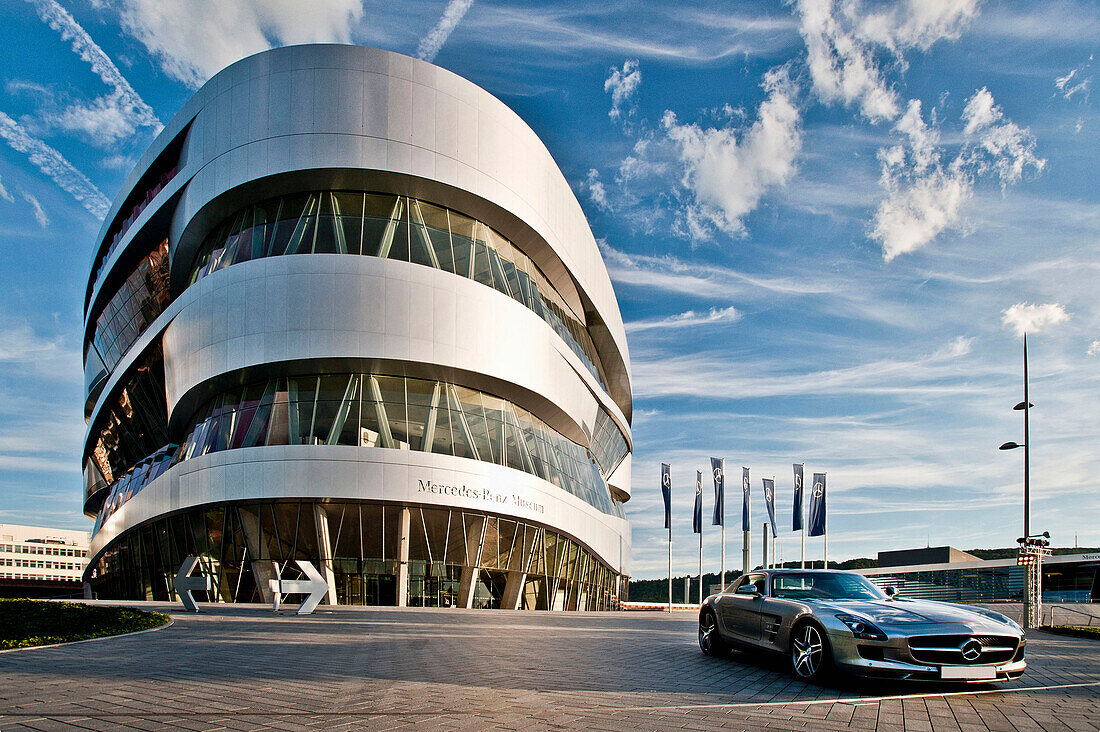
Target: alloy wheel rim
[706,629]
[807,652]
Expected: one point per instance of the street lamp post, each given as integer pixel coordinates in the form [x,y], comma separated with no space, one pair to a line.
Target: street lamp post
[1032,561]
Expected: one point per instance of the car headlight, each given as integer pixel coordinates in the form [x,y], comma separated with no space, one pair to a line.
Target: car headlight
[863,629]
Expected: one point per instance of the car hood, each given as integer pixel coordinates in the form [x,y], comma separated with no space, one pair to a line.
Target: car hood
[906,611]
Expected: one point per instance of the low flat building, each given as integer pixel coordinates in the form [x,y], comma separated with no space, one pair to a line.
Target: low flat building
[37,561]
[927,555]
[1066,578]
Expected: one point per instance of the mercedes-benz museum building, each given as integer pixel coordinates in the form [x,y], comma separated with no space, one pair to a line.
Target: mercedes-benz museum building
[347,310]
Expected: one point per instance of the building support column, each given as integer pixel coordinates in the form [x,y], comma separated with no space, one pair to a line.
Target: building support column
[324,549]
[513,591]
[254,541]
[403,557]
[471,571]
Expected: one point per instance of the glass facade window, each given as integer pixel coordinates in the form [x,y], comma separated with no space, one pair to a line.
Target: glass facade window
[370,410]
[395,227]
[498,560]
[139,201]
[608,444]
[132,426]
[136,478]
[139,300]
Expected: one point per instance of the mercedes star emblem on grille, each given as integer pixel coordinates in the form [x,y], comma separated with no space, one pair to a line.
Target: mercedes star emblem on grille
[971,650]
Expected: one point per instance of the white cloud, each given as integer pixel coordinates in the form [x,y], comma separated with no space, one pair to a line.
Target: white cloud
[942,372]
[925,196]
[53,164]
[622,83]
[1027,318]
[686,319]
[1094,348]
[194,39]
[596,190]
[438,35]
[108,118]
[20,344]
[726,176]
[1075,82]
[669,274]
[1001,145]
[37,211]
[843,39]
[5,194]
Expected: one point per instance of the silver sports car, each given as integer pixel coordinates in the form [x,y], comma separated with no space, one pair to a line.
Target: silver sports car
[825,620]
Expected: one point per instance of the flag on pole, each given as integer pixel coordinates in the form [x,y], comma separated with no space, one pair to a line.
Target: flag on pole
[718,468]
[817,506]
[666,492]
[697,518]
[796,525]
[769,501]
[744,499]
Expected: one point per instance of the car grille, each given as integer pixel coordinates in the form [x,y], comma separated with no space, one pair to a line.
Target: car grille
[949,649]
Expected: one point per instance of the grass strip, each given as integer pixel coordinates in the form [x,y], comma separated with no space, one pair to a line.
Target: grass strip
[1079,631]
[27,623]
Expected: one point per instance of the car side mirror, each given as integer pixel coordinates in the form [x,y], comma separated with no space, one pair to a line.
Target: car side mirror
[747,590]
[891,591]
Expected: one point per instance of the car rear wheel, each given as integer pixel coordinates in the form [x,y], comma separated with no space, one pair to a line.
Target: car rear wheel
[811,657]
[710,641]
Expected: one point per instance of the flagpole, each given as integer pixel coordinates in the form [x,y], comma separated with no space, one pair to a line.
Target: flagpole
[670,566]
[723,550]
[700,564]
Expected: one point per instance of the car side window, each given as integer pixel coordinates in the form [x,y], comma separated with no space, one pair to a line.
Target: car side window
[761,583]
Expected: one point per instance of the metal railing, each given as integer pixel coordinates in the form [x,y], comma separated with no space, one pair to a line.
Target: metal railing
[1074,612]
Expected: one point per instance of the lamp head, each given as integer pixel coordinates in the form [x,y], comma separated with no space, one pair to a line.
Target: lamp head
[1020,407]
[1009,446]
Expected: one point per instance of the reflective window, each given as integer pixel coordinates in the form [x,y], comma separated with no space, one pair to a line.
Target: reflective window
[133,424]
[139,300]
[396,227]
[369,410]
[608,444]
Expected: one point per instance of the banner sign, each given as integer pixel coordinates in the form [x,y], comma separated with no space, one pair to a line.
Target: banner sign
[817,506]
[769,501]
[718,468]
[796,525]
[666,492]
[697,517]
[744,499]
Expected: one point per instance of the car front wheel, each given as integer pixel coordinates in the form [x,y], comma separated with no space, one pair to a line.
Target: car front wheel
[811,658]
[710,641]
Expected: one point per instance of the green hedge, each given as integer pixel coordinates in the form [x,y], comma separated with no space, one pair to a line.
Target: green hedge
[1081,631]
[25,623]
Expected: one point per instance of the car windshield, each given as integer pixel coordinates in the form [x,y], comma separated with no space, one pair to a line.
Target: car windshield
[824,586]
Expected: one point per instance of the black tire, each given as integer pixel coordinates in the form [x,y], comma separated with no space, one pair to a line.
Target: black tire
[811,656]
[710,639]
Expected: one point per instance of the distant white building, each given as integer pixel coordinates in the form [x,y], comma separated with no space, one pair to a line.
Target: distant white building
[42,554]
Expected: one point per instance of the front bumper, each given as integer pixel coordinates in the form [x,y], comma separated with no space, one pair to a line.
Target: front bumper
[893,659]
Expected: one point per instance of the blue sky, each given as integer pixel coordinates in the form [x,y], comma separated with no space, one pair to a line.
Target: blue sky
[826,223]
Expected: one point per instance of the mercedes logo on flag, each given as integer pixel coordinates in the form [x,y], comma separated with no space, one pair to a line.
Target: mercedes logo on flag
[718,475]
[971,650]
[819,490]
[666,479]
[768,493]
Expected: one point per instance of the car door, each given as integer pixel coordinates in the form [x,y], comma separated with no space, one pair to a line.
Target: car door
[739,613]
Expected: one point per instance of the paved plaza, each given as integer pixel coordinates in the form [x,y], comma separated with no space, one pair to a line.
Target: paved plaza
[244,667]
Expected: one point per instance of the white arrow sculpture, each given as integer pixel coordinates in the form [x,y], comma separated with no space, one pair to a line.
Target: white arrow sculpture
[314,586]
[185,584]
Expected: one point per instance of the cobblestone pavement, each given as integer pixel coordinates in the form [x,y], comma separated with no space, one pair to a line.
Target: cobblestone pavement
[243,668]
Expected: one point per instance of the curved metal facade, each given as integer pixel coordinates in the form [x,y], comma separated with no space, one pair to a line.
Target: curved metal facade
[347,309]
